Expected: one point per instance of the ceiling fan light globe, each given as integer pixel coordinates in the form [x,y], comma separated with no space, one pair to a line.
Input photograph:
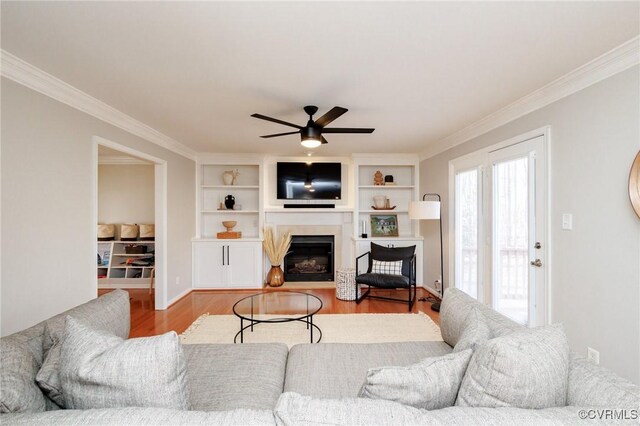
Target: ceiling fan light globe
[310,143]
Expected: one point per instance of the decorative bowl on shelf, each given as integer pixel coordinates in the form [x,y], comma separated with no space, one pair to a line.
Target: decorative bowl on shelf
[229,224]
[383,208]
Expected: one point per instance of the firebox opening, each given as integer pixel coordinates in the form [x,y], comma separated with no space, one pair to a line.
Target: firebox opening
[310,258]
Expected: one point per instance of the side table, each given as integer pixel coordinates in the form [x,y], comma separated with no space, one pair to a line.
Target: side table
[346,284]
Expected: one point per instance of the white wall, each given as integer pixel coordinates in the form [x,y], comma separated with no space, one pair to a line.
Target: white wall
[48,262]
[126,193]
[595,269]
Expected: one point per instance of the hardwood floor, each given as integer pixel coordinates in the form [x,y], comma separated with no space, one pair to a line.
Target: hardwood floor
[145,321]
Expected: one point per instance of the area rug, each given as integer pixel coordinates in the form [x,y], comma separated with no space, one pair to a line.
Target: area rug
[343,328]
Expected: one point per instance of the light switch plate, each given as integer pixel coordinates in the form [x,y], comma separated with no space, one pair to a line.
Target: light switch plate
[593,355]
[567,221]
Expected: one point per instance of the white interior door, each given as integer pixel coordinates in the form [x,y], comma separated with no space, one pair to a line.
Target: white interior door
[518,227]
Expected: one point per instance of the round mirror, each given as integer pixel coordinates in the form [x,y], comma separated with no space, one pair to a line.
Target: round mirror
[634,184]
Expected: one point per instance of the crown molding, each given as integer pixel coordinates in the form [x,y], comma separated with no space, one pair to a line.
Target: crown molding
[113,160]
[36,79]
[613,62]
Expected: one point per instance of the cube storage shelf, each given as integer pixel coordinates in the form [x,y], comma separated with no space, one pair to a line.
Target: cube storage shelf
[114,272]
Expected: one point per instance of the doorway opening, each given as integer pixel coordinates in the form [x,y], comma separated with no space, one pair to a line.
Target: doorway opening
[130,213]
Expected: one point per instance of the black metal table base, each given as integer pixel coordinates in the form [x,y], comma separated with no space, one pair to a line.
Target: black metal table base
[308,321]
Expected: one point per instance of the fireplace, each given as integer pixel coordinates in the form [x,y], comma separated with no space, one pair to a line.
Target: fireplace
[310,258]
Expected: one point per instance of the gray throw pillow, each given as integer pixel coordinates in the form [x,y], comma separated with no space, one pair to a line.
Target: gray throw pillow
[431,384]
[524,369]
[100,370]
[48,377]
[18,390]
[475,331]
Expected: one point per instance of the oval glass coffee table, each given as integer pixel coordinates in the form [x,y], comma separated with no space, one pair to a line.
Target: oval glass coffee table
[273,307]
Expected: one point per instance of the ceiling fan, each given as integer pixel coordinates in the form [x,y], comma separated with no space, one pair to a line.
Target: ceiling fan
[311,134]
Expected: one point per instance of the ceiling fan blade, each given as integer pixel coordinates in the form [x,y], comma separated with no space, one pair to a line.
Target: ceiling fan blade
[275,120]
[346,130]
[334,113]
[279,134]
[323,140]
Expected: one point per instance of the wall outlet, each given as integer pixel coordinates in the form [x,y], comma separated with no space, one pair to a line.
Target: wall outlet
[567,221]
[593,355]
[438,283]
[177,280]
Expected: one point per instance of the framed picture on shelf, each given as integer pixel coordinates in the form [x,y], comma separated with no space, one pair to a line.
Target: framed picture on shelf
[384,225]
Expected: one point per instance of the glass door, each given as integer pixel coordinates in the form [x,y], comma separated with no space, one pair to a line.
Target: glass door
[467,238]
[499,227]
[517,280]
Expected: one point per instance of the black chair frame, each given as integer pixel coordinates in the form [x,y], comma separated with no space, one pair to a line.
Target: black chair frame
[412,283]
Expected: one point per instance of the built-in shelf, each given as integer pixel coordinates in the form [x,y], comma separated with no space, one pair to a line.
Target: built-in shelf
[230,187]
[309,210]
[228,239]
[213,191]
[385,187]
[385,211]
[405,177]
[230,211]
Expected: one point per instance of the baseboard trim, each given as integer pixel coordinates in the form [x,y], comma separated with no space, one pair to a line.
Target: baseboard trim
[179,297]
[431,290]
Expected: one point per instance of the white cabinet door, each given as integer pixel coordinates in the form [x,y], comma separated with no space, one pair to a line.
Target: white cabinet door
[209,264]
[234,264]
[245,260]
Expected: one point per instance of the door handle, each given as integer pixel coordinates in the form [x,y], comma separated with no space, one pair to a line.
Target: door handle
[228,257]
[223,256]
[537,263]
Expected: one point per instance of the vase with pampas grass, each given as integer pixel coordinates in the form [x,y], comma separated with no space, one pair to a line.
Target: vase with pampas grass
[276,250]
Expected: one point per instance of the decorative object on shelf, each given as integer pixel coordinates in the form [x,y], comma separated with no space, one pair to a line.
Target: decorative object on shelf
[229,202]
[363,228]
[388,180]
[230,177]
[425,210]
[147,232]
[106,232]
[229,224]
[378,179]
[135,249]
[276,251]
[128,232]
[229,234]
[634,185]
[379,201]
[384,225]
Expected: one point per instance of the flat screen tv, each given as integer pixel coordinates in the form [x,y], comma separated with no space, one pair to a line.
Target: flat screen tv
[314,181]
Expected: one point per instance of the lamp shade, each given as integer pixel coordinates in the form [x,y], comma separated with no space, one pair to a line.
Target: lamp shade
[424,210]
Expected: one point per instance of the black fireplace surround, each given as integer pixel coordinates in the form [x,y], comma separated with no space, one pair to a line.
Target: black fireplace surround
[310,258]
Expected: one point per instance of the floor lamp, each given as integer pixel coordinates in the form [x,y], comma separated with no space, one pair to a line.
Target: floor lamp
[422,210]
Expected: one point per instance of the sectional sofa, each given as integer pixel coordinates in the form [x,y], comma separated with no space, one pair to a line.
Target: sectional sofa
[309,384]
